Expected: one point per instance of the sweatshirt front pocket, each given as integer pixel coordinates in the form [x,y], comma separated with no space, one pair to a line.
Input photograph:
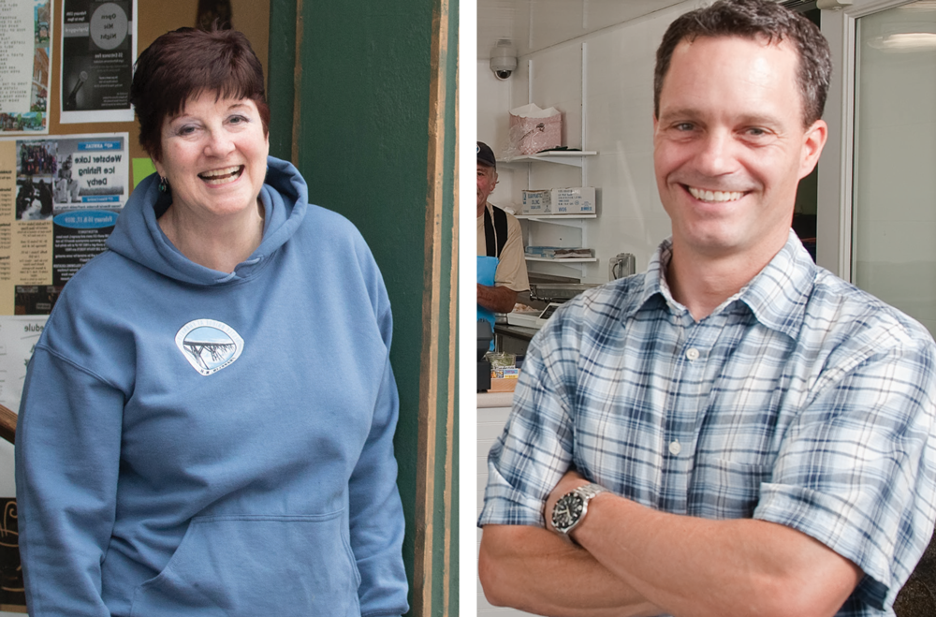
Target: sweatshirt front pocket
[256,565]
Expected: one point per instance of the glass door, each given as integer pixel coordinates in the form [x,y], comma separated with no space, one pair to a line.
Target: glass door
[893,217]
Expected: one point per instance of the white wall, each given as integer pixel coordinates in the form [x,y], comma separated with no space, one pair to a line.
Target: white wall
[894,220]
[494,101]
[603,84]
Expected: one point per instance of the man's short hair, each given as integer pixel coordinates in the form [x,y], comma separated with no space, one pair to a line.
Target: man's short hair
[754,19]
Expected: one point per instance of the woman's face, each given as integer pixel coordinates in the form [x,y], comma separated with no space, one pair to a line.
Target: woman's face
[214,155]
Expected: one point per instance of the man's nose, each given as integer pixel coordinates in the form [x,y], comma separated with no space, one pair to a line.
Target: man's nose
[717,153]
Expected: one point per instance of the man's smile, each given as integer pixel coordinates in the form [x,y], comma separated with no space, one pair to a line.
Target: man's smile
[714,196]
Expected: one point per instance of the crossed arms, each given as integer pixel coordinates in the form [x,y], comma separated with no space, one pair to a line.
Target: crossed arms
[634,560]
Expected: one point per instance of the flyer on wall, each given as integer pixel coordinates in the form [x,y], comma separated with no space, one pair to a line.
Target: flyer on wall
[98,49]
[59,201]
[25,45]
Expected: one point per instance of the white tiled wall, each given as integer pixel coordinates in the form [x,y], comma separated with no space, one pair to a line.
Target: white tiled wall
[603,84]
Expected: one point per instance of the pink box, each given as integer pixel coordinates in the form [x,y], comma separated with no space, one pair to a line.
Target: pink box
[531,135]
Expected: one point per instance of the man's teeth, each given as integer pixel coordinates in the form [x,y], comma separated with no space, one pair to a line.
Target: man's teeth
[228,174]
[715,196]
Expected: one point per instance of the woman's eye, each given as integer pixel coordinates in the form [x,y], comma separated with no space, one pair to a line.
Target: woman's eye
[186,129]
[237,119]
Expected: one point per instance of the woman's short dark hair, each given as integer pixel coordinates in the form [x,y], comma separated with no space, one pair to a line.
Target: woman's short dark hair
[185,63]
[755,19]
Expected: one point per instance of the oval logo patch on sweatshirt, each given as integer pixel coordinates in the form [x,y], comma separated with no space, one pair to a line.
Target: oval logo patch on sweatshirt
[208,345]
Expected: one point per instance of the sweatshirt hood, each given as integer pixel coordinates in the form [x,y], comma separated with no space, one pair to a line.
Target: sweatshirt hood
[138,237]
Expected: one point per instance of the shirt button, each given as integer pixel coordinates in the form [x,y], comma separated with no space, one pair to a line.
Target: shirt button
[675,447]
[692,354]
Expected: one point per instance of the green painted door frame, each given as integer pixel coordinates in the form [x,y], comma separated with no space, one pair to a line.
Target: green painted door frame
[363,101]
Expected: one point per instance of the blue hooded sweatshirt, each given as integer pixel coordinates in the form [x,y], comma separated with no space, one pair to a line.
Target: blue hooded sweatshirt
[193,442]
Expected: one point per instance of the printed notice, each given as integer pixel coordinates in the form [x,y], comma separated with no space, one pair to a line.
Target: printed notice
[59,202]
[18,337]
[25,34]
[98,50]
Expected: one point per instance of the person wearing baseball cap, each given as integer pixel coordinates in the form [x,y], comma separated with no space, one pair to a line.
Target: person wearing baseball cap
[501,266]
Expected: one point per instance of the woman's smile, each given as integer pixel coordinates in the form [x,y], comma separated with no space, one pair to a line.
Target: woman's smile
[222,176]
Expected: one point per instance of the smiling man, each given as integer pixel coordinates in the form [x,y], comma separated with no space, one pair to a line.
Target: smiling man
[735,431]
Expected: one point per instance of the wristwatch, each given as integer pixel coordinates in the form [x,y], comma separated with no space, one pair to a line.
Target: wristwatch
[570,509]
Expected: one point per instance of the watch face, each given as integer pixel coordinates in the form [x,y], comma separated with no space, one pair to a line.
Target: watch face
[567,511]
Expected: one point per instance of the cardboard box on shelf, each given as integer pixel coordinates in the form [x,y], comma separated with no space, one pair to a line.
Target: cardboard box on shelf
[559,201]
[574,201]
[536,202]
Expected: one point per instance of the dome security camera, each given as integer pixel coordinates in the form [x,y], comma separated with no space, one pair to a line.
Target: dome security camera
[503,59]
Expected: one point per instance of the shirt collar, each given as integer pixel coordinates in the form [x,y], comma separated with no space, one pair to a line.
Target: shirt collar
[776,296]
[655,279]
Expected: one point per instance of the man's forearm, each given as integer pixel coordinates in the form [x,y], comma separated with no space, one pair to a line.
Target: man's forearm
[690,565]
[496,298]
[534,570]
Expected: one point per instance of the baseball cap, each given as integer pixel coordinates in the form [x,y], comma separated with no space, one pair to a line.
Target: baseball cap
[486,155]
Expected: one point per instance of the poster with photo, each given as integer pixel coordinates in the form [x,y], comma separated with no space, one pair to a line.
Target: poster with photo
[25,75]
[98,50]
[59,202]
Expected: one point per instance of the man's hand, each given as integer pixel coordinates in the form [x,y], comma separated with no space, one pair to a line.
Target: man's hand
[496,298]
[697,566]
[540,571]
[569,481]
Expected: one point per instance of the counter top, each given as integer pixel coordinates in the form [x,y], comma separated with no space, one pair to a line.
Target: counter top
[520,332]
[495,400]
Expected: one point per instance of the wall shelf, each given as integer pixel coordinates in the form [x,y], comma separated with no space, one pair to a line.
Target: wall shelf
[554,217]
[555,230]
[574,158]
[560,260]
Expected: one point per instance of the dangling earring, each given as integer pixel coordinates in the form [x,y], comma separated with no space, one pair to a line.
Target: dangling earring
[163,185]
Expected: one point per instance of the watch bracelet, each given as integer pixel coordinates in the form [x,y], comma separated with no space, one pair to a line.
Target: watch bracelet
[586,493]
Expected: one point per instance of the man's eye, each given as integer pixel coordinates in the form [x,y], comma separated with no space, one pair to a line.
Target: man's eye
[684,126]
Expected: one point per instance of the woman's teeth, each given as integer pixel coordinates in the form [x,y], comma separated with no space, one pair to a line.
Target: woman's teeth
[222,176]
[714,196]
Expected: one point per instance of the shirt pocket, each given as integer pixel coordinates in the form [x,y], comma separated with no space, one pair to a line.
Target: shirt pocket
[723,489]
[257,565]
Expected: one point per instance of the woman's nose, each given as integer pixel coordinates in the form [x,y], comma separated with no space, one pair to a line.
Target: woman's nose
[219,144]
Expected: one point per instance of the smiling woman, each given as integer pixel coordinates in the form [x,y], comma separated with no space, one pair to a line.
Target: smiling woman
[200,356]
[209,137]
[214,155]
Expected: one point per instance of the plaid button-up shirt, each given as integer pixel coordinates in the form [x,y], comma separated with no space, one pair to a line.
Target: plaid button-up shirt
[801,400]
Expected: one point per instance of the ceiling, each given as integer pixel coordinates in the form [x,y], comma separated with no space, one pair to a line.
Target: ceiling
[553,21]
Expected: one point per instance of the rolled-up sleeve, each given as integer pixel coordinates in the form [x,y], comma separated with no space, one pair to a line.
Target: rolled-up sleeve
[536,447]
[857,468]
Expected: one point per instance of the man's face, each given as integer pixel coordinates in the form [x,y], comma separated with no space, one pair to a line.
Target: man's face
[487,178]
[730,147]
